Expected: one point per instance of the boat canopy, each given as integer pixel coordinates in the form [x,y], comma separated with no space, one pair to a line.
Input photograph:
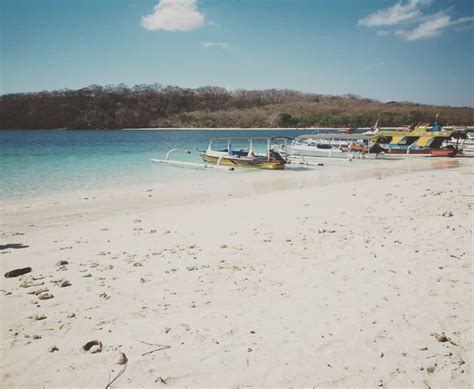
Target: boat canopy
[245,138]
[337,136]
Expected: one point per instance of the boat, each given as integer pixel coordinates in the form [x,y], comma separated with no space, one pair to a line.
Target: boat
[463,141]
[246,156]
[339,146]
[422,140]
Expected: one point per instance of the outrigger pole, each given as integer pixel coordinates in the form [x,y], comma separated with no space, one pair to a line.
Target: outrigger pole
[167,160]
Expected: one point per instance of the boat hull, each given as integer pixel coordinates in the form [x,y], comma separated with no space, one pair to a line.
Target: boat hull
[305,151]
[245,163]
[465,147]
[423,153]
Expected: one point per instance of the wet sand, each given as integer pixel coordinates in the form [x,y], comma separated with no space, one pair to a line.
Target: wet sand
[337,276]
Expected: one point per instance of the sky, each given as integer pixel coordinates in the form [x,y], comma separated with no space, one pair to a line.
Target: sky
[407,50]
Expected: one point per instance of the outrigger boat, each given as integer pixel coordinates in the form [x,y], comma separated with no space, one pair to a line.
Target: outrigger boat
[422,140]
[340,146]
[463,141]
[246,157]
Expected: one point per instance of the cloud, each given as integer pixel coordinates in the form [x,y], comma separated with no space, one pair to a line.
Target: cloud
[467,19]
[396,14]
[174,15]
[428,29]
[208,44]
[433,26]
[409,13]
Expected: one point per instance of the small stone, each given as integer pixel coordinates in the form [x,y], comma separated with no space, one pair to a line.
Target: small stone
[65,283]
[45,296]
[62,263]
[36,337]
[37,317]
[71,315]
[122,359]
[52,349]
[431,369]
[17,272]
[249,350]
[39,291]
[442,338]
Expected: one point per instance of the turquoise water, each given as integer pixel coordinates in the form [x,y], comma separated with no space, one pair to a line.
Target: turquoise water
[44,162]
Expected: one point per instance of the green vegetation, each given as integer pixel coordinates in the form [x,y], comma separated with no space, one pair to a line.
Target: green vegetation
[141,106]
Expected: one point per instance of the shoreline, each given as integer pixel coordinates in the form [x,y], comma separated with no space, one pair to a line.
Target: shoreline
[212,129]
[241,182]
[467,127]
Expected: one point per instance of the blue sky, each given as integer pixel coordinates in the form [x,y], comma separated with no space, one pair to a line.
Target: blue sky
[409,50]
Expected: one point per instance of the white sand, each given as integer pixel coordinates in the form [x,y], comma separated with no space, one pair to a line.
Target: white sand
[340,276]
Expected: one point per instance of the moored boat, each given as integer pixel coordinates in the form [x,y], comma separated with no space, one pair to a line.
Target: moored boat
[463,141]
[245,157]
[422,140]
[339,146]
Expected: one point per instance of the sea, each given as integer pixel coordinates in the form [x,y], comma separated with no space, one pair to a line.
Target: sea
[36,163]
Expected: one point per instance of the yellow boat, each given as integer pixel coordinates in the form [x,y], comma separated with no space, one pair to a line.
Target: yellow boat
[424,140]
[245,157]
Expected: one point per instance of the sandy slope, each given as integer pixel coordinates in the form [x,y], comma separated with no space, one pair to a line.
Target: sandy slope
[339,284]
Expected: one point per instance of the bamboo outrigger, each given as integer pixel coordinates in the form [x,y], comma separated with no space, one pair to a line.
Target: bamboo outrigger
[169,161]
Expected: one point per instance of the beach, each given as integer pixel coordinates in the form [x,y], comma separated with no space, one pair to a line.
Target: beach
[339,276]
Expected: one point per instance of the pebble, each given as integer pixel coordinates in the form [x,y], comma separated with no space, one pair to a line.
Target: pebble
[122,359]
[45,296]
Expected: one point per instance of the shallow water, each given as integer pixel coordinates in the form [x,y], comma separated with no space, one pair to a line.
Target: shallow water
[44,162]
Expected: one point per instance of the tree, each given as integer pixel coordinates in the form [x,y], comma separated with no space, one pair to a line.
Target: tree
[286,120]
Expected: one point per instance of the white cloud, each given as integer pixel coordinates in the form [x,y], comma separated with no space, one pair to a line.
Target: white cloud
[174,15]
[396,14]
[409,13]
[209,44]
[428,29]
[433,26]
[466,19]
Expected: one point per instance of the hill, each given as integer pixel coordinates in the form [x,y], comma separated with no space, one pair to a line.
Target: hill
[112,107]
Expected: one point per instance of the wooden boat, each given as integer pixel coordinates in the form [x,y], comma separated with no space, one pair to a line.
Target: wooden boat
[245,157]
[340,146]
[423,140]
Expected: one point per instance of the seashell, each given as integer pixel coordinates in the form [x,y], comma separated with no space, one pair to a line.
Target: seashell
[89,346]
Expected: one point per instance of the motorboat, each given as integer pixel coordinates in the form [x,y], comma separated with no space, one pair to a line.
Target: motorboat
[340,146]
[422,140]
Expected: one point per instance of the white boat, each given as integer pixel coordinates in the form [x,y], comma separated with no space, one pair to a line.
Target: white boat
[464,144]
[340,146]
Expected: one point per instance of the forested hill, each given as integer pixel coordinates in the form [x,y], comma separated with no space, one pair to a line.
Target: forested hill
[112,107]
